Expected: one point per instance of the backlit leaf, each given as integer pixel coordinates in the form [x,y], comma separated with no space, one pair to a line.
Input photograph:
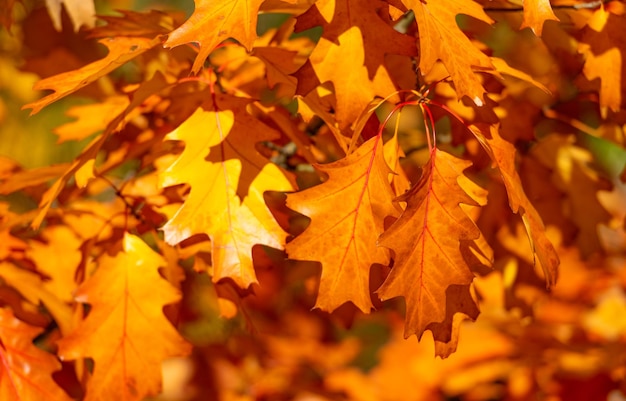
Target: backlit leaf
[121,50]
[441,39]
[26,371]
[125,332]
[347,215]
[228,179]
[430,271]
[214,21]
[536,12]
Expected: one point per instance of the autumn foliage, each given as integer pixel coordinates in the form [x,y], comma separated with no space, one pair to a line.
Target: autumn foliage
[317,200]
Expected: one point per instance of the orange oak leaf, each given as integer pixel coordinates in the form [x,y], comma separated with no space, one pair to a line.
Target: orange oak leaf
[604,48]
[378,36]
[347,215]
[430,270]
[342,64]
[228,178]
[121,50]
[125,333]
[25,371]
[33,289]
[536,12]
[90,152]
[351,53]
[214,21]
[81,12]
[279,64]
[441,39]
[503,155]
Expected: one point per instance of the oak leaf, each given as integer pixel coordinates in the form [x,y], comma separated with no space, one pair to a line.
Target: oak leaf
[33,289]
[430,270]
[88,155]
[26,371]
[536,12]
[604,48]
[342,64]
[371,17]
[441,39]
[228,178]
[279,64]
[214,21]
[121,50]
[347,215]
[125,333]
[91,118]
[503,155]
[60,240]
[351,53]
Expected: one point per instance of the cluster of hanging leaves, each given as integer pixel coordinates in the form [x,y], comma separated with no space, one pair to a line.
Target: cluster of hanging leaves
[273,195]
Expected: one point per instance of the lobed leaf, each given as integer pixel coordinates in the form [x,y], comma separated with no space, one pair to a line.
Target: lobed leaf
[125,333]
[347,215]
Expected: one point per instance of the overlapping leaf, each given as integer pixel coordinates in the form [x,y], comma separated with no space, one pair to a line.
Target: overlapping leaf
[88,155]
[26,371]
[342,64]
[503,155]
[121,50]
[604,48]
[430,270]
[347,215]
[125,333]
[214,21]
[351,53]
[228,178]
[441,39]
[536,12]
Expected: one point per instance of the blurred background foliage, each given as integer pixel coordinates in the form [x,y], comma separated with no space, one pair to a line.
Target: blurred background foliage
[30,141]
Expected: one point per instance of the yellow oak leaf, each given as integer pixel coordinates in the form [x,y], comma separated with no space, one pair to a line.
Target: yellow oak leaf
[347,215]
[441,39]
[32,288]
[125,333]
[603,46]
[214,21]
[536,12]
[228,178]
[430,270]
[26,371]
[91,118]
[121,50]
[61,240]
